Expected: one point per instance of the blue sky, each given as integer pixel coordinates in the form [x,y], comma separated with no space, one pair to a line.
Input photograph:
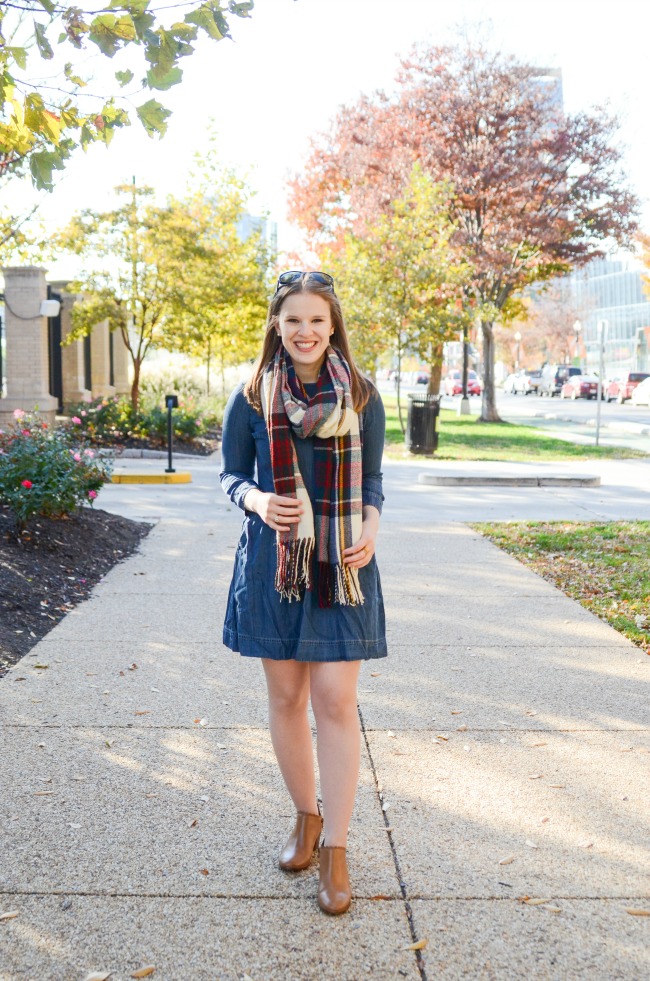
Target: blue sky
[296,61]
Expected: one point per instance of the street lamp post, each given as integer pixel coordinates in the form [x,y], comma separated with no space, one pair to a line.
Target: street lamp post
[518,340]
[577,327]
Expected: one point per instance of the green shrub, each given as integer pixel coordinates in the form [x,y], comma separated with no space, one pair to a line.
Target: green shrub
[112,420]
[49,472]
[104,420]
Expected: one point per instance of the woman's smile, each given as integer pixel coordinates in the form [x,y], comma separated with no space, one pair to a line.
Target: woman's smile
[305,326]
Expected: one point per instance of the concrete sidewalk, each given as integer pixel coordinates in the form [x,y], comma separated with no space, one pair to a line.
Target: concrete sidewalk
[506,752]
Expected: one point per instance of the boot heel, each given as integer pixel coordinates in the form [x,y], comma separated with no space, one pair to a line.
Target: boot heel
[299,849]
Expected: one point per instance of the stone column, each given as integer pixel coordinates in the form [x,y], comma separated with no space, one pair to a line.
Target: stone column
[100,359]
[121,365]
[72,355]
[28,362]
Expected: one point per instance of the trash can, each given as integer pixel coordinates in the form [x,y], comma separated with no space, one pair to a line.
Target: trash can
[421,435]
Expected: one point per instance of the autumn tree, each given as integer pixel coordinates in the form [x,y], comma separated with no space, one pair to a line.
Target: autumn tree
[48,104]
[216,273]
[537,191]
[401,282]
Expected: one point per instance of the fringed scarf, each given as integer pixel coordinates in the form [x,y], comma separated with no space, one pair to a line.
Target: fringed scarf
[333,523]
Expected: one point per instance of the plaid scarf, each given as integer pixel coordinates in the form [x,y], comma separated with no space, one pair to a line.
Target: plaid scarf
[333,523]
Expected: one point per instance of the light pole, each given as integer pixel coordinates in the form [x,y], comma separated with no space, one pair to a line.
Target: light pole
[518,340]
[577,327]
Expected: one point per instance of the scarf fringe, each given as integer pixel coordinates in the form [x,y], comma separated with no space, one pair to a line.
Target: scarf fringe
[338,584]
[293,573]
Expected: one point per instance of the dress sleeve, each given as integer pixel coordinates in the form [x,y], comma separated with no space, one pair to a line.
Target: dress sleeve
[374,429]
[237,449]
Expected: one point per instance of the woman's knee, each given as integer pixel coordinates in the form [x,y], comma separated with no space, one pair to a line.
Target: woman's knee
[288,688]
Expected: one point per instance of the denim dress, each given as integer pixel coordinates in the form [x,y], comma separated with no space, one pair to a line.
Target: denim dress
[259,623]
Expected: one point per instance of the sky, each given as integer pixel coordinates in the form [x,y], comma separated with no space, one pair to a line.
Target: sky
[295,62]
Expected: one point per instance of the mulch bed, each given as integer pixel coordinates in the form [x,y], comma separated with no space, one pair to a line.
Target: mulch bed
[51,567]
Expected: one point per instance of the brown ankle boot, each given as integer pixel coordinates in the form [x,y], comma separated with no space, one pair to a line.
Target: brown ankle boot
[300,847]
[334,894]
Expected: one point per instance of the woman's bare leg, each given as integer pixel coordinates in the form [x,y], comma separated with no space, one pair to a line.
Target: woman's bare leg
[338,744]
[288,687]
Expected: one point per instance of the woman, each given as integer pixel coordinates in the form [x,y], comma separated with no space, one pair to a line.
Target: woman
[301,455]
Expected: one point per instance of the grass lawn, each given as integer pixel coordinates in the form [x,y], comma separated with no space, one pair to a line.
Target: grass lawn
[606,567]
[463,438]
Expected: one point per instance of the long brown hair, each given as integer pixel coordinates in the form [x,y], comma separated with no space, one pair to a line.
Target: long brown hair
[360,387]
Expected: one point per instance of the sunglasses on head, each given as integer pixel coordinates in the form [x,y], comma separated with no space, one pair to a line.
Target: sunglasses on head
[293,275]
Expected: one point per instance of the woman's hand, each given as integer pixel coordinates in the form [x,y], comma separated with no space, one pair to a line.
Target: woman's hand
[362,551]
[275,511]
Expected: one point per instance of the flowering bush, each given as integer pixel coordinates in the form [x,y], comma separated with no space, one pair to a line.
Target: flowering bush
[47,472]
[112,420]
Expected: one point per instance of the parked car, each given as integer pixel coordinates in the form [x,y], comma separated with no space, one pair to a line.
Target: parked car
[580,387]
[509,383]
[422,378]
[641,393]
[454,383]
[554,376]
[526,382]
[620,389]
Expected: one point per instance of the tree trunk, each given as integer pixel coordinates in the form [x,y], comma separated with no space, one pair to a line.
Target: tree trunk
[489,406]
[135,386]
[435,370]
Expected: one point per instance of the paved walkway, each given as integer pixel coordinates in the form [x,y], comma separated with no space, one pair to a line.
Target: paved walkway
[506,743]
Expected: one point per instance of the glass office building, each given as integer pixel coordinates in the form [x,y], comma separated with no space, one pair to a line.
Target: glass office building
[611,290]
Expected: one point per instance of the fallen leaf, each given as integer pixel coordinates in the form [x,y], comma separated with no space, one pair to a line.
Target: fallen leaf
[461,729]
[133,667]
[544,820]
[445,738]
[204,871]
[43,667]
[418,945]
[375,674]
[530,712]
[151,795]
[109,742]
[144,972]
[553,909]
[585,844]
[629,909]
[536,776]
[11,915]
[456,712]
[221,746]
[537,902]
[42,793]
[507,861]
[143,712]
[538,744]
[98,976]
[531,844]
[391,735]
[193,823]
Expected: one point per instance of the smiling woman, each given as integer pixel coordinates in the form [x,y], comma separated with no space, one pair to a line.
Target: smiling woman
[301,455]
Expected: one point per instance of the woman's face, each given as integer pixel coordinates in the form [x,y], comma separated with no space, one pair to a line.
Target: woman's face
[305,327]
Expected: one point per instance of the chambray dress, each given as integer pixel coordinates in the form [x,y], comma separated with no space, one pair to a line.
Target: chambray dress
[259,623]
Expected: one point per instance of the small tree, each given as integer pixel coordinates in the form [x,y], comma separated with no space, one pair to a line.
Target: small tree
[401,283]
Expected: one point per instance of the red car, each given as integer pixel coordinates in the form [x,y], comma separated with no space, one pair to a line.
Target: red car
[620,389]
[580,387]
[454,383]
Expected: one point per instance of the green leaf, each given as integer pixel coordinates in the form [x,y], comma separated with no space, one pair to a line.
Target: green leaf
[153,117]
[42,165]
[124,77]
[75,79]
[48,5]
[205,18]
[165,82]
[44,45]
[19,55]
[109,32]
[241,9]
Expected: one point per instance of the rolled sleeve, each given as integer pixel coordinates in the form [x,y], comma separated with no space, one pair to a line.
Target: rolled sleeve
[237,450]
[374,430]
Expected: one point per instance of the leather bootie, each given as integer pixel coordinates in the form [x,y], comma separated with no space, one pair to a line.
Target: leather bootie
[334,894]
[300,847]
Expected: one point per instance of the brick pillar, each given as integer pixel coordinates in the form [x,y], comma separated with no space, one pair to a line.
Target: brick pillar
[28,363]
[121,365]
[101,361]
[72,355]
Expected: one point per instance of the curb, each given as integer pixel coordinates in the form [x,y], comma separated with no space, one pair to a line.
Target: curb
[181,477]
[134,454]
[494,480]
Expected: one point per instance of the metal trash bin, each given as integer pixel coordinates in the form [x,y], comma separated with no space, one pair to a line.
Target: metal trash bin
[421,434]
